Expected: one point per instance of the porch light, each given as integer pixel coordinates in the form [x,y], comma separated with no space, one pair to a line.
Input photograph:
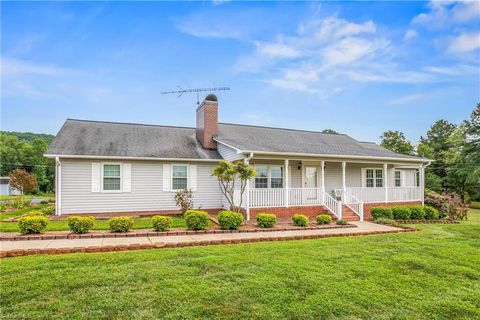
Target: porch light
[299,165]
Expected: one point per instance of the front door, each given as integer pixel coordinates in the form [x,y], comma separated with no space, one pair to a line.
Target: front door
[311,179]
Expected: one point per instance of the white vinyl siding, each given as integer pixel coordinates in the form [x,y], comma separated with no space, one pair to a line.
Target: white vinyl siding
[227,153]
[146,189]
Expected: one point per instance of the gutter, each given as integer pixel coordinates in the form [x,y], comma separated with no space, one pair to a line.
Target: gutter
[73,156]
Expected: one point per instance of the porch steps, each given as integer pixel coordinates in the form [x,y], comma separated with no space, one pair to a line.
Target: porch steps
[348,214]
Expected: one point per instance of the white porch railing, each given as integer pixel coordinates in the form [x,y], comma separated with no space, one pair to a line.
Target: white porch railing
[353,203]
[304,196]
[262,198]
[333,205]
[405,194]
[394,194]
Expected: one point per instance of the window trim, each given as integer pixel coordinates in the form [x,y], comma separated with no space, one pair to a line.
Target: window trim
[171,175]
[374,177]
[400,178]
[269,175]
[102,190]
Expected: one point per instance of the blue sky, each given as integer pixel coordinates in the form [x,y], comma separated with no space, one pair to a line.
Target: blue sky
[357,67]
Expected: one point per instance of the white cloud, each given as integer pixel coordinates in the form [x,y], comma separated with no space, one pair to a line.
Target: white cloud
[12,67]
[276,50]
[465,42]
[445,13]
[351,50]
[407,99]
[410,34]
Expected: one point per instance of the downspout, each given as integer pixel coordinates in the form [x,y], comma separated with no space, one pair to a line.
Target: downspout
[247,202]
[58,186]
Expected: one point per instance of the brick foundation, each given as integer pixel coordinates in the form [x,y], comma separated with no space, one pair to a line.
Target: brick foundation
[367,206]
[283,212]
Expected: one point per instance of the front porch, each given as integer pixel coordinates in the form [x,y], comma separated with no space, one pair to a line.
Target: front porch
[342,188]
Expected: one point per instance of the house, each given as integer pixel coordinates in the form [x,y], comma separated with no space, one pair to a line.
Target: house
[6,189]
[133,168]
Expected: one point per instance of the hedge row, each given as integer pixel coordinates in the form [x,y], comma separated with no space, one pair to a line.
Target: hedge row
[405,213]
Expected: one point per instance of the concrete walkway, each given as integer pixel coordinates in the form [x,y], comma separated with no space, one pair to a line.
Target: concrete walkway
[24,247]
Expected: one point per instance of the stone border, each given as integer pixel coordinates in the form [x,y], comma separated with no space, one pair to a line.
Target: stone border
[157,245]
[427,221]
[152,233]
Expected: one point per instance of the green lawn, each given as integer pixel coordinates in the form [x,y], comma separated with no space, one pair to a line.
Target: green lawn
[139,223]
[430,274]
[47,196]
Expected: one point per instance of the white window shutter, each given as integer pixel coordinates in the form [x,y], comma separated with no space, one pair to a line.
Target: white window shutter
[167,176]
[364,178]
[192,175]
[96,176]
[402,179]
[127,177]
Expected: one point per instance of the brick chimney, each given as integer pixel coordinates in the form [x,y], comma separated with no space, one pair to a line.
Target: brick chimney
[207,121]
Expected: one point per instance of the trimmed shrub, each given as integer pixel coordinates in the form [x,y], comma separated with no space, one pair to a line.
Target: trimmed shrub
[229,220]
[431,213]
[300,220]
[401,213]
[48,211]
[32,224]
[324,219]
[342,222]
[161,223]
[44,201]
[120,224]
[80,224]
[34,213]
[266,220]
[381,212]
[196,219]
[385,221]
[417,212]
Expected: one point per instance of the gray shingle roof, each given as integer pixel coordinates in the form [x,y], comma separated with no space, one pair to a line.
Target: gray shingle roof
[97,138]
[265,139]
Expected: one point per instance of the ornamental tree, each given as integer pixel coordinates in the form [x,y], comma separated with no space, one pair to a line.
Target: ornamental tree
[231,175]
[23,181]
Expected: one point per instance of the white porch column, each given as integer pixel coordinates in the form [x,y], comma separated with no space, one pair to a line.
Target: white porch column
[422,183]
[344,186]
[286,183]
[58,187]
[322,173]
[247,190]
[385,175]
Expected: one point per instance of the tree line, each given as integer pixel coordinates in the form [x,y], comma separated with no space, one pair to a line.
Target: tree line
[25,151]
[455,151]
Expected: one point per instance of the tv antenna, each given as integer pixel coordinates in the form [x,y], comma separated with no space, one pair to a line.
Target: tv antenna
[181,91]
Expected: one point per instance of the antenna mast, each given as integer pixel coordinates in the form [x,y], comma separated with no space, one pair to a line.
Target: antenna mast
[181,91]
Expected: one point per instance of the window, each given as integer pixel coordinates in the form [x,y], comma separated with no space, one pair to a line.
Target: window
[111,177]
[374,178]
[398,178]
[261,179]
[276,177]
[269,177]
[179,177]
